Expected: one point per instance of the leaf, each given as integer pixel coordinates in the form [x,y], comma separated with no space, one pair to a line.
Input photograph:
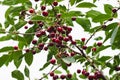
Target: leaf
[18,75]
[84,22]
[3,59]
[5,38]
[26,71]
[6,49]
[37,18]
[57,72]
[68,60]
[82,76]
[74,77]
[101,18]
[92,13]
[72,2]
[104,58]
[108,9]
[98,38]
[44,66]
[86,5]
[29,58]
[114,35]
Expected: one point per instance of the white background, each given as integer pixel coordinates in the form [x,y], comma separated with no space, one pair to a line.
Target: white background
[40,59]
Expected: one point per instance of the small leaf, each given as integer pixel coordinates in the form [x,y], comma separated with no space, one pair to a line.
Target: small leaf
[57,72]
[44,66]
[18,75]
[37,18]
[98,38]
[114,35]
[108,9]
[86,5]
[29,58]
[104,58]
[5,38]
[26,71]
[68,60]
[72,2]
[3,59]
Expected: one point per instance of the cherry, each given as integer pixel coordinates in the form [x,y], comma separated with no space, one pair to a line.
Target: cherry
[84,47]
[51,73]
[86,74]
[60,38]
[73,42]
[55,3]
[36,0]
[45,48]
[26,27]
[52,61]
[62,76]
[117,68]
[31,10]
[55,77]
[91,77]
[15,47]
[40,46]
[98,74]
[58,15]
[34,41]
[43,8]
[30,22]
[50,29]
[83,39]
[69,29]
[38,34]
[44,13]
[51,44]
[33,51]
[41,24]
[114,10]
[43,32]
[59,29]
[69,75]
[72,54]
[73,18]
[52,35]
[66,39]
[78,70]
[94,49]
[70,37]
[99,43]
[27,50]
[84,71]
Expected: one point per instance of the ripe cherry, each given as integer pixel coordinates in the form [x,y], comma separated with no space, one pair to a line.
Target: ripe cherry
[52,61]
[55,77]
[31,10]
[84,47]
[72,54]
[94,49]
[30,22]
[46,48]
[59,29]
[78,70]
[34,41]
[44,13]
[114,10]
[43,8]
[51,73]
[15,47]
[55,3]
[62,76]
[36,0]
[73,18]
[69,75]
[58,15]
[83,39]
[38,34]
[66,39]
[73,42]
[99,43]
[26,27]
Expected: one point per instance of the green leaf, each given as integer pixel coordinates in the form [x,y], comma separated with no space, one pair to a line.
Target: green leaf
[37,18]
[98,38]
[44,66]
[5,38]
[74,77]
[77,1]
[29,58]
[6,49]
[18,75]
[26,71]
[84,22]
[68,60]
[111,26]
[108,9]
[57,72]
[104,58]
[101,18]
[116,60]
[3,59]
[114,35]
[92,13]
[82,76]
[72,2]
[86,5]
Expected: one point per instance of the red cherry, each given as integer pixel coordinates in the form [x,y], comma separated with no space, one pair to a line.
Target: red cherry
[84,47]
[69,64]
[33,52]
[70,37]
[51,73]
[27,50]
[83,39]
[34,41]
[117,68]
[45,48]
[55,77]
[69,29]
[41,24]
[52,61]
[73,18]
[72,54]
[31,10]
[26,27]
[62,76]
[84,71]
[69,75]
[51,35]
[73,42]
[44,13]
[98,74]
[55,3]
[36,0]
[66,39]
[78,70]
[30,22]
[58,15]
[60,38]
[40,46]
[15,47]
[94,49]
[99,43]
[43,8]
[59,29]
[91,77]
[43,32]
[114,10]
[38,34]
[86,74]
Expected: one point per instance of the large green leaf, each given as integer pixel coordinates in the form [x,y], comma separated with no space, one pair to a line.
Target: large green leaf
[84,22]
[29,58]
[101,18]
[114,34]
[104,58]
[108,9]
[18,75]
[86,5]
[6,49]
[5,38]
